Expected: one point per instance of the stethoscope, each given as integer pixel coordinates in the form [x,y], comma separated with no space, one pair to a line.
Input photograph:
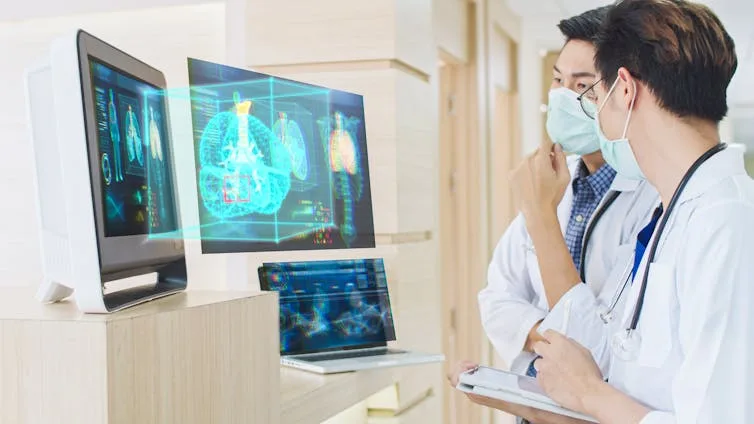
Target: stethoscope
[627,342]
[607,314]
[609,200]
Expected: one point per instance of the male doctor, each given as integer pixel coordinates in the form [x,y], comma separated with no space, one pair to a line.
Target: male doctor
[598,217]
[681,350]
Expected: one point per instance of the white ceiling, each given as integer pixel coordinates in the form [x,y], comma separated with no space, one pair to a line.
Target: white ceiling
[20,10]
[736,15]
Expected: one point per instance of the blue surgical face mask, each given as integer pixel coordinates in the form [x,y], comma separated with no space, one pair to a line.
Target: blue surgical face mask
[618,153]
[568,125]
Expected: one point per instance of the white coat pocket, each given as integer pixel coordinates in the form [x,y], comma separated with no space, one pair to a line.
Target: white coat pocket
[655,321]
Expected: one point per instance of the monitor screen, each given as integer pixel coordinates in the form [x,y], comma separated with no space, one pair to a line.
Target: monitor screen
[329,305]
[134,166]
[280,165]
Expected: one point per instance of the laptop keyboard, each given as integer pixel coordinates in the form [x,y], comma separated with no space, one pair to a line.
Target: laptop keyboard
[352,354]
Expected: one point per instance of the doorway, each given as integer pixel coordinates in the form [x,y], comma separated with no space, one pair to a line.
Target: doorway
[461,326]
[470,179]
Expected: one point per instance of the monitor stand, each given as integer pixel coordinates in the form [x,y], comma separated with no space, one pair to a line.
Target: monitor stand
[161,280]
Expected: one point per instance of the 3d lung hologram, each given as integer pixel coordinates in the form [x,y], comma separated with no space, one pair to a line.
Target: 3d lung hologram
[281,165]
[290,135]
[244,168]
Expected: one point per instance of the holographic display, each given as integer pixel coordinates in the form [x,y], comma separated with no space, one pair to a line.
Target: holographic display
[281,165]
[136,186]
[329,305]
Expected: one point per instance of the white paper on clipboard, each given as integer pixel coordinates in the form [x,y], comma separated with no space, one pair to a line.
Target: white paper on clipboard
[513,388]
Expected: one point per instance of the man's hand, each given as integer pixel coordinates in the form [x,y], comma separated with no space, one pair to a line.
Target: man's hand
[459,369]
[566,371]
[540,181]
[533,337]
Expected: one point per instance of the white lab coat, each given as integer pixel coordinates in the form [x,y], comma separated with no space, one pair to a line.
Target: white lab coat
[514,299]
[697,323]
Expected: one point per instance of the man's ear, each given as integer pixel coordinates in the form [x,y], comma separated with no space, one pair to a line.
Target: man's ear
[627,88]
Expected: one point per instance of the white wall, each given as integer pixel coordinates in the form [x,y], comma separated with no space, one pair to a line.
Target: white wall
[450,25]
[539,34]
[162,37]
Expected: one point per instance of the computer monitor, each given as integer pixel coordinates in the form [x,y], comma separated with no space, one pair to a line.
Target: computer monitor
[330,305]
[104,176]
[280,164]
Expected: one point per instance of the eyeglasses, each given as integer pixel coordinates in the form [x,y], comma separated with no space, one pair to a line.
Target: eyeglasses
[588,100]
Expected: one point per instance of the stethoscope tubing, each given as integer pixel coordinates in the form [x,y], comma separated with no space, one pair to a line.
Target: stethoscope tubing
[661,227]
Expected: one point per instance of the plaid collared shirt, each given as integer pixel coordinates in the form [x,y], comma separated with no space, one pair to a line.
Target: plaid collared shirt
[588,191]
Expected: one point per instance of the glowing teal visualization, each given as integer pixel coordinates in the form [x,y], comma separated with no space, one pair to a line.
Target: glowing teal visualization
[107,172]
[133,138]
[154,135]
[289,133]
[244,167]
[115,137]
[342,150]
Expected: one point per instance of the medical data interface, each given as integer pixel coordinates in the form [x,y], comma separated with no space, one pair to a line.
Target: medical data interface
[280,165]
[329,305]
[134,163]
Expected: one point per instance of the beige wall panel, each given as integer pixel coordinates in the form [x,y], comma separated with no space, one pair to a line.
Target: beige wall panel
[451,27]
[502,17]
[304,31]
[191,358]
[415,274]
[417,146]
[339,31]
[414,38]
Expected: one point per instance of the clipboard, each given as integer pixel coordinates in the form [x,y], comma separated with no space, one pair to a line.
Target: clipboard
[513,388]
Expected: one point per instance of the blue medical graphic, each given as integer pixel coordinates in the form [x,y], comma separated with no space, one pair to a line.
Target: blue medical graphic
[115,137]
[244,167]
[107,172]
[114,209]
[133,138]
[342,147]
[289,133]
[362,319]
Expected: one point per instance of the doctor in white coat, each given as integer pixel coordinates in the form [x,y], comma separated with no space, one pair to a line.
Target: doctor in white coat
[680,353]
[600,236]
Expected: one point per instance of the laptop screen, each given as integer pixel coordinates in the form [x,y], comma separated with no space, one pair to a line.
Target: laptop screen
[330,305]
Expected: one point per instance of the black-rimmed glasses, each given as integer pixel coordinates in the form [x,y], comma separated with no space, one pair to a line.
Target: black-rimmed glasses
[588,100]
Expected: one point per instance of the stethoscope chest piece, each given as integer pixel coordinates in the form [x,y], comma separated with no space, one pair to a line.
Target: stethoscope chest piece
[626,344]
[606,316]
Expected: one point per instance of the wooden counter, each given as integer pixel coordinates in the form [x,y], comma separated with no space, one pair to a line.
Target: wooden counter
[307,398]
[190,358]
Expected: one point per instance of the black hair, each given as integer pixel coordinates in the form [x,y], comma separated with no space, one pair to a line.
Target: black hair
[679,49]
[585,26]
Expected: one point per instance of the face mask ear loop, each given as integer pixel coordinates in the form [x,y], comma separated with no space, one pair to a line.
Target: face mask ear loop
[607,96]
[630,109]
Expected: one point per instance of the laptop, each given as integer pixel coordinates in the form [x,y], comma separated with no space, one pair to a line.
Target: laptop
[335,316]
